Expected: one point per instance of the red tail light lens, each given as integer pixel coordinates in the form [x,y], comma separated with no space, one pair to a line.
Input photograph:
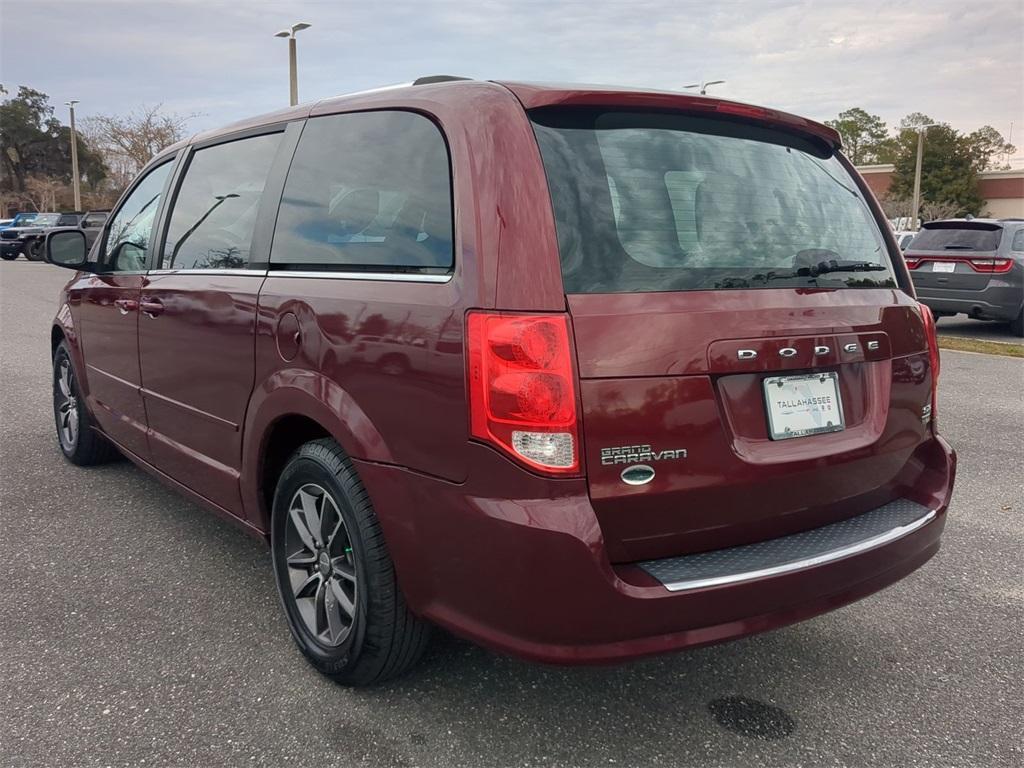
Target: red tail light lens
[933,356]
[991,265]
[744,110]
[521,388]
[978,265]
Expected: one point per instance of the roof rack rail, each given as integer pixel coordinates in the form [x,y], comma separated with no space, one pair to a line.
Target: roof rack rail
[438,79]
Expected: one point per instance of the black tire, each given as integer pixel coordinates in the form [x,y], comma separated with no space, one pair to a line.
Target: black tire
[343,564]
[77,436]
[34,250]
[1017,326]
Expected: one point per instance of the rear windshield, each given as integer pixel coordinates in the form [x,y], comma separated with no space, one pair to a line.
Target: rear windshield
[950,239]
[669,202]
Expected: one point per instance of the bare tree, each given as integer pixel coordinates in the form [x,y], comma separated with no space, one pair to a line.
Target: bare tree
[894,206]
[127,142]
[48,194]
[943,209]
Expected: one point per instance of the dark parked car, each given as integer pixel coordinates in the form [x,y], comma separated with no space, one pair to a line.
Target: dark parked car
[581,374]
[971,266]
[29,238]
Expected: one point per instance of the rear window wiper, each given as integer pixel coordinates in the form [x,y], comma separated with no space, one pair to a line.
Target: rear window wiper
[957,248]
[824,267]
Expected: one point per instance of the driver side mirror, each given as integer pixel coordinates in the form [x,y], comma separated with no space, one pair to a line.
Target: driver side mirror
[66,248]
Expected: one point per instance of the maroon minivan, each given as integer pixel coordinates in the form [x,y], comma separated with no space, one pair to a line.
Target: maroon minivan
[578,373]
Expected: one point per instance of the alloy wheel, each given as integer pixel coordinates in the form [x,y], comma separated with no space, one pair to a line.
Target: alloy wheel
[321,565]
[67,406]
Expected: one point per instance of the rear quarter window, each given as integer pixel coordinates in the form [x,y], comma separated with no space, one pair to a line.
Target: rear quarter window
[367,191]
[1017,245]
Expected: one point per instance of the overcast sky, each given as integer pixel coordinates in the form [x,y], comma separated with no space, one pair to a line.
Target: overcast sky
[959,62]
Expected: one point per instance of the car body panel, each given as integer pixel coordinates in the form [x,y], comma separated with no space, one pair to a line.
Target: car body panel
[112,376]
[197,367]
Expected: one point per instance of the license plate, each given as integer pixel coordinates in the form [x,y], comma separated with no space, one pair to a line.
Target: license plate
[803,405]
[943,266]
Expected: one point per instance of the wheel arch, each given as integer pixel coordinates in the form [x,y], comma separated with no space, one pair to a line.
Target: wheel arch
[293,408]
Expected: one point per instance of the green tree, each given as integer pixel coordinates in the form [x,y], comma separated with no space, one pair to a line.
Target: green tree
[35,144]
[949,172]
[987,144]
[864,135]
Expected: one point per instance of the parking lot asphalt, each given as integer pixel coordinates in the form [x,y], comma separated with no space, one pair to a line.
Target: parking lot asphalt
[138,630]
[965,327]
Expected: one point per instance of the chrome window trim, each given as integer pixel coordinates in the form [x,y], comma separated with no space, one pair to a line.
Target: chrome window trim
[211,271]
[797,565]
[394,277]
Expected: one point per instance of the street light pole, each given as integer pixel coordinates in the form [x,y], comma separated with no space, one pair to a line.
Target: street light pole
[293,75]
[74,156]
[917,175]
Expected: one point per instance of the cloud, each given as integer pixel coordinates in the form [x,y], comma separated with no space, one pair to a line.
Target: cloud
[959,64]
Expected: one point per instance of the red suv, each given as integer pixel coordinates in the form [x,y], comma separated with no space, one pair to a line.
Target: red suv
[578,373]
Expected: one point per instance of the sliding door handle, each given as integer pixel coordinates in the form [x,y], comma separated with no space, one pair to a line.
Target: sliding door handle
[151,307]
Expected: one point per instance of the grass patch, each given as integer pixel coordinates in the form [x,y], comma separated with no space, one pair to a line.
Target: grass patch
[984,347]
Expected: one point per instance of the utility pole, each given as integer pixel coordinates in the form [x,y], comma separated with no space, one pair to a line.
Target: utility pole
[74,156]
[917,175]
[293,75]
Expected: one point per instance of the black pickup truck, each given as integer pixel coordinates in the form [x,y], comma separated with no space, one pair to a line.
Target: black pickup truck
[31,238]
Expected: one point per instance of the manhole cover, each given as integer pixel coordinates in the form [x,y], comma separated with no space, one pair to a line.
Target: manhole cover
[750,717]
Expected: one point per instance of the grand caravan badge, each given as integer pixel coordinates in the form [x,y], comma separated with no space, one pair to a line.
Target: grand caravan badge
[638,454]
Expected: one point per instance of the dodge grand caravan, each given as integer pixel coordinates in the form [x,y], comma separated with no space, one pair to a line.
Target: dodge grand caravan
[579,373]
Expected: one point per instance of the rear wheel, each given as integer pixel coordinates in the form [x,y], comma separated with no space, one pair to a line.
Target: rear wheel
[79,441]
[336,579]
[1017,326]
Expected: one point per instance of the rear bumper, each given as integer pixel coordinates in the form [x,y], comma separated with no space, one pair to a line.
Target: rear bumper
[1001,300]
[523,570]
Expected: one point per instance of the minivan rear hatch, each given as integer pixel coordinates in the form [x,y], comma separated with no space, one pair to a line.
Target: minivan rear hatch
[749,366]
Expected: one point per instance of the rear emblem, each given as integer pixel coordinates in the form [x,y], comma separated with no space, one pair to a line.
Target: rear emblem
[639,474]
[787,352]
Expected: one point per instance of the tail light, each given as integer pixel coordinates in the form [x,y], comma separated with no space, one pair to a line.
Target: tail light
[978,265]
[991,265]
[522,393]
[933,357]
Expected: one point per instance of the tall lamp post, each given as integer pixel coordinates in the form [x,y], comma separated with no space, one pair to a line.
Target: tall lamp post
[293,76]
[74,156]
[703,85]
[917,174]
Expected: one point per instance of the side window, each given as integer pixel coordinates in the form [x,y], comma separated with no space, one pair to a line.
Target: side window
[215,210]
[1018,241]
[131,228]
[367,190]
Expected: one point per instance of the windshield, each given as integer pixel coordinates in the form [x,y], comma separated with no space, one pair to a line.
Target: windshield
[45,220]
[23,218]
[954,239]
[670,202]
